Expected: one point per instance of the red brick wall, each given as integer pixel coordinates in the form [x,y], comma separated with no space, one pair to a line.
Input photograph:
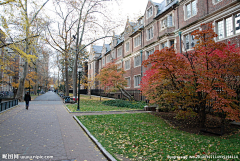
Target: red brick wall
[219,5]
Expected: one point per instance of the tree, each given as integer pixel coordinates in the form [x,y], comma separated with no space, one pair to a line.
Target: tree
[62,41]
[112,80]
[90,14]
[209,74]
[88,83]
[17,14]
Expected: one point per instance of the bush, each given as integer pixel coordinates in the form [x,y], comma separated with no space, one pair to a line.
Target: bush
[125,103]
[188,114]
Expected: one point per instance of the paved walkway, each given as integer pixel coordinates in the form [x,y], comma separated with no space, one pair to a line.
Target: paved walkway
[46,130]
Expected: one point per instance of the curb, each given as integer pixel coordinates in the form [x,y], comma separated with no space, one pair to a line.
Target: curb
[104,111]
[102,149]
[67,109]
[101,111]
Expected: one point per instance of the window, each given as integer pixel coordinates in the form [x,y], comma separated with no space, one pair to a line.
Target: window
[190,42]
[128,82]
[216,1]
[103,60]
[220,30]
[137,61]
[149,52]
[119,52]
[127,46]
[137,80]
[150,33]
[89,66]
[228,26]
[167,22]
[150,12]
[127,64]
[113,55]
[119,65]
[171,43]
[164,23]
[187,41]
[164,44]
[169,1]
[237,23]
[191,9]
[108,58]
[137,41]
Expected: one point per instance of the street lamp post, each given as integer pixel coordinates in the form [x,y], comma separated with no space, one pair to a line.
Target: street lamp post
[80,69]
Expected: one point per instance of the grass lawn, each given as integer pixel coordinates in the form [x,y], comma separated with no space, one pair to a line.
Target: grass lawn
[94,104]
[142,136]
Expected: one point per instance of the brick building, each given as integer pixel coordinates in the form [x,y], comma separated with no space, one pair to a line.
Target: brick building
[164,24]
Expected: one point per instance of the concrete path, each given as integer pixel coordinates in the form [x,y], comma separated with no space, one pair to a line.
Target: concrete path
[45,131]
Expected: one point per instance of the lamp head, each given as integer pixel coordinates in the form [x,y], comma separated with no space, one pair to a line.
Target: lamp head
[80,68]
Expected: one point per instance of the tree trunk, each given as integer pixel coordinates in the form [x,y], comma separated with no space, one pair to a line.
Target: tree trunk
[20,91]
[67,77]
[202,115]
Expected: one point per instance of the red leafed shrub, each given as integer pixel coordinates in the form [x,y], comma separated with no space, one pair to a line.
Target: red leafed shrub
[206,77]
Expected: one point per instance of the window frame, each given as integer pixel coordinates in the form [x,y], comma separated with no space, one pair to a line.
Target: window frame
[128,42]
[191,7]
[119,65]
[129,67]
[166,18]
[135,81]
[214,2]
[148,15]
[165,43]
[137,39]
[108,58]
[128,82]
[149,51]
[191,40]
[103,61]
[168,2]
[234,27]
[119,49]
[137,65]
[113,54]
[150,33]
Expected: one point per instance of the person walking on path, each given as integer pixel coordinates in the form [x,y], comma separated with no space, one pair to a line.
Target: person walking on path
[27,98]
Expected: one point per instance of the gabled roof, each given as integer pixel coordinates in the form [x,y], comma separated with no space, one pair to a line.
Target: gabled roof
[108,47]
[162,7]
[120,39]
[97,49]
[132,23]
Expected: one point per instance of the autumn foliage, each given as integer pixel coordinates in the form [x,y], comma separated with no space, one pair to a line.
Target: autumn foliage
[111,78]
[203,79]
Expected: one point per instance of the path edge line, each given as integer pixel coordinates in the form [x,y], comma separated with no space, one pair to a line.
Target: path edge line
[99,145]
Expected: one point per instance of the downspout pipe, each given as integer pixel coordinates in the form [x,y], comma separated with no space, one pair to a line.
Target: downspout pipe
[141,51]
[180,41]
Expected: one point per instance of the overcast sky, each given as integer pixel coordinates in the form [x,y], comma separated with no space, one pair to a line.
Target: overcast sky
[127,8]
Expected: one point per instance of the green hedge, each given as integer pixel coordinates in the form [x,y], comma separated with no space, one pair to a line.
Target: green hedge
[124,103]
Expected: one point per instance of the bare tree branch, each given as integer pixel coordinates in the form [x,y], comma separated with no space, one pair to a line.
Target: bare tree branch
[5,45]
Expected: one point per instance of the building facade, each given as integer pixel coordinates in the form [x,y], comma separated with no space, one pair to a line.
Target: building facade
[165,24]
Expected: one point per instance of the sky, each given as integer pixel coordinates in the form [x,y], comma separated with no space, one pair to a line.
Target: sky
[126,8]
